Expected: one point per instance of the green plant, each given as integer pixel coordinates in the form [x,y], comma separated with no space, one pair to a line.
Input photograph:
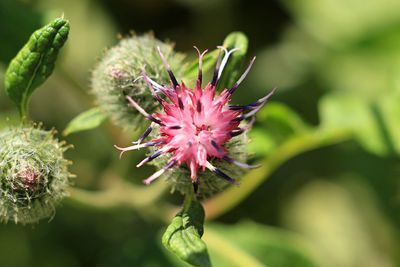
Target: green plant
[39,181]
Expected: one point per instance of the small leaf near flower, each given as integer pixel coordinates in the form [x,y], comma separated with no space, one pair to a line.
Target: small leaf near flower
[35,62]
[232,71]
[235,40]
[87,120]
[183,236]
[209,61]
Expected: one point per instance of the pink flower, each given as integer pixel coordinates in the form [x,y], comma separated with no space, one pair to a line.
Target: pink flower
[195,124]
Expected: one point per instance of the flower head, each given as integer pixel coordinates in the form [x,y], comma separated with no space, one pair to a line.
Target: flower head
[34,175]
[116,75]
[195,123]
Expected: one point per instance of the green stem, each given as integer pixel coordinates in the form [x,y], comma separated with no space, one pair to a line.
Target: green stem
[188,200]
[118,194]
[230,198]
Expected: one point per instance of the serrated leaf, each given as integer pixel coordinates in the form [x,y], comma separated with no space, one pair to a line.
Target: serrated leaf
[87,120]
[35,62]
[183,236]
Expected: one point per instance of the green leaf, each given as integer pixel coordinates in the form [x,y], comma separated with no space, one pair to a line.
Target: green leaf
[251,244]
[276,123]
[35,62]
[183,236]
[233,70]
[374,123]
[87,120]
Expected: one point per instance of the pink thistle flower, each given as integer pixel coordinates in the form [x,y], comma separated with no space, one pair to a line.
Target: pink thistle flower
[195,124]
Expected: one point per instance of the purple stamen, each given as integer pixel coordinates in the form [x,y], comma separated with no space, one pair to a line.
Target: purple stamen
[142,111]
[216,71]
[253,111]
[150,158]
[176,127]
[150,85]
[198,106]
[221,173]
[244,128]
[200,74]
[253,105]
[240,164]
[156,86]
[236,85]
[144,135]
[237,119]
[217,147]
[168,67]
[159,172]
[180,103]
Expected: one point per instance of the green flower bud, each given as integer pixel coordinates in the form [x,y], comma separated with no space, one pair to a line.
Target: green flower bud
[33,174]
[117,75]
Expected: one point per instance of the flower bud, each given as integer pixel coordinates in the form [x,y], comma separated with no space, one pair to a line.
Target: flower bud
[33,174]
[118,74]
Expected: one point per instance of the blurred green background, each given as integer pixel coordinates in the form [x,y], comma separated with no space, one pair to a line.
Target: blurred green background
[332,134]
